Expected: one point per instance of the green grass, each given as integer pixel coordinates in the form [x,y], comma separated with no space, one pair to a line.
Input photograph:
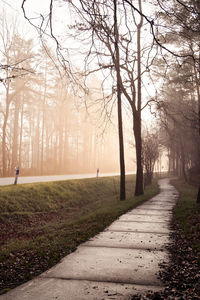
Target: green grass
[43,197]
[43,222]
[187,213]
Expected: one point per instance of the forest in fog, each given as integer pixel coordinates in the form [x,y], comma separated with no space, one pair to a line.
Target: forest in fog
[106,84]
[46,127]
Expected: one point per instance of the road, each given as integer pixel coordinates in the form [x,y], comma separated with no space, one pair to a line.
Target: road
[32,179]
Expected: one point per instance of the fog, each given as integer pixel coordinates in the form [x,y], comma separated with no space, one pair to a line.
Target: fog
[50,123]
[52,127]
[60,94]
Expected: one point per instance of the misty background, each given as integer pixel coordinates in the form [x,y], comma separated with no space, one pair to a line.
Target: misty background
[58,102]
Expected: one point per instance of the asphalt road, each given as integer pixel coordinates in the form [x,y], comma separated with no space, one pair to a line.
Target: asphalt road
[32,179]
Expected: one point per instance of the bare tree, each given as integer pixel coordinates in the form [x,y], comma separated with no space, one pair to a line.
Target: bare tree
[100,19]
[150,153]
[119,104]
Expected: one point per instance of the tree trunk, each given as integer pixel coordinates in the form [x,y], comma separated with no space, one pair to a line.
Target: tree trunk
[198,196]
[4,158]
[60,154]
[21,133]
[119,106]
[183,162]
[43,120]
[38,144]
[139,189]
[198,96]
[15,134]
[42,142]
[66,147]
[121,150]
[174,163]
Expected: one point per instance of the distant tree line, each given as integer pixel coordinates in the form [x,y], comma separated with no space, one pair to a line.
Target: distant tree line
[178,102]
[44,126]
[118,46]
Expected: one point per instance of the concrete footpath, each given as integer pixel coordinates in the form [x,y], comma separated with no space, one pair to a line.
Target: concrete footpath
[119,262]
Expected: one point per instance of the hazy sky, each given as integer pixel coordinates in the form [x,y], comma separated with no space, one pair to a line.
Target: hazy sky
[33,10]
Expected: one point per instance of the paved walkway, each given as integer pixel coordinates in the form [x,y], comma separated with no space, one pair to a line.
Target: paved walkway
[119,262]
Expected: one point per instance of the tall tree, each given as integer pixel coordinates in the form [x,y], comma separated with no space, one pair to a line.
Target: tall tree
[113,45]
[119,106]
[150,153]
[182,27]
[13,68]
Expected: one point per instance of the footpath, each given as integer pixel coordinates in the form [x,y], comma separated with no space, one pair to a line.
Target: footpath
[118,263]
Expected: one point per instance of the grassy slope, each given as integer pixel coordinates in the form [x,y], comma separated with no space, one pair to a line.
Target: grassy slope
[187,213]
[40,223]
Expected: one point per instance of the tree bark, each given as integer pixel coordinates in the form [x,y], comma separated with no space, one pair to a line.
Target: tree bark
[121,150]
[139,189]
[43,119]
[198,196]
[4,158]
[198,98]
[15,133]
[119,106]
[21,133]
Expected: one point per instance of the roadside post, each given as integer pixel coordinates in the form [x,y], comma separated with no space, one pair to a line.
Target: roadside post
[16,174]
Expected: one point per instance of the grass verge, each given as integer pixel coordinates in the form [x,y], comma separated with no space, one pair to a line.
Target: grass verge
[41,223]
[187,213]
